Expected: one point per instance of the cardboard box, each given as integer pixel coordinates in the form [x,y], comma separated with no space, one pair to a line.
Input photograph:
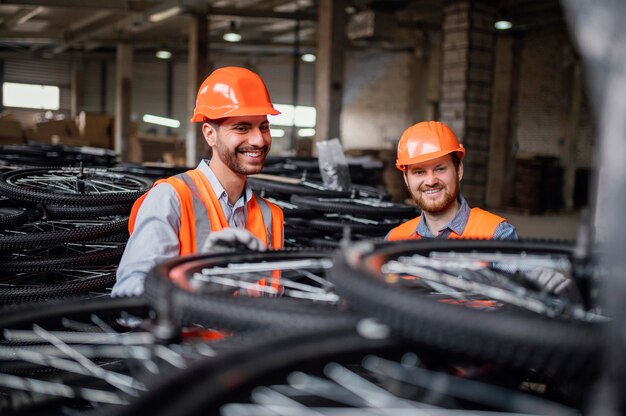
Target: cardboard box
[47,129]
[154,148]
[11,132]
[95,129]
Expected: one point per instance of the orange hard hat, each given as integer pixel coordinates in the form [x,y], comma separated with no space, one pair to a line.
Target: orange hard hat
[426,141]
[232,91]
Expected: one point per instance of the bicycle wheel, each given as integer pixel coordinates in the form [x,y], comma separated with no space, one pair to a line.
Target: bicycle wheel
[73,186]
[357,225]
[335,371]
[246,290]
[390,281]
[62,256]
[37,286]
[358,206]
[49,232]
[69,353]
[279,188]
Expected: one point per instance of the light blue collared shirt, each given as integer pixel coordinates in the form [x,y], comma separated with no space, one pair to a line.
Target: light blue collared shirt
[155,235]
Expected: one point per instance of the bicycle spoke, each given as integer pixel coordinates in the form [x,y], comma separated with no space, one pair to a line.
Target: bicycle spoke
[465,389]
[60,390]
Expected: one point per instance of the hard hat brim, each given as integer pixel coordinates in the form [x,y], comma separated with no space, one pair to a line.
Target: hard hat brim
[403,164]
[203,112]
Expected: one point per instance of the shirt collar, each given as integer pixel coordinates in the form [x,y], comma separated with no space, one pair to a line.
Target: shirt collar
[219,190]
[457,224]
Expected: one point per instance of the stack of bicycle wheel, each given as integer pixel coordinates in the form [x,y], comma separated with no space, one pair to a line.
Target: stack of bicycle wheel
[316,216]
[445,326]
[41,154]
[63,230]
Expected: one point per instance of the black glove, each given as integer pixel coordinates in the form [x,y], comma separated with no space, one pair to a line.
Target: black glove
[232,239]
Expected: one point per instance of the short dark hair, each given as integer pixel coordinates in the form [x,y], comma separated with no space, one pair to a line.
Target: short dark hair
[214,122]
[456,160]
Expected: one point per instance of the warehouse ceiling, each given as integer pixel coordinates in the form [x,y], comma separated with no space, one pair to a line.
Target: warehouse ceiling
[53,27]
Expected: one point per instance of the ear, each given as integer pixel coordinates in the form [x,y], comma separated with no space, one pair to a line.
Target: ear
[209,133]
[406,180]
[460,171]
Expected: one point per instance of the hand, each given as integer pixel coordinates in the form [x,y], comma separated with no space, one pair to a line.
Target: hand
[550,280]
[232,239]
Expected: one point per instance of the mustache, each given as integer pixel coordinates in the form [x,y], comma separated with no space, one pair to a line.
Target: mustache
[430,187]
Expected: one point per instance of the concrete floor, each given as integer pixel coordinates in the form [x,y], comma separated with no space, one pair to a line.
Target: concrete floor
[562,226]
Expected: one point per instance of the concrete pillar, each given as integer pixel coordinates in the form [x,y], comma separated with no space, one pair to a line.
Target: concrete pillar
[123,87]
[77,87]
[571,136]
[501,176]
[197,67]
[467,71]
[329,67]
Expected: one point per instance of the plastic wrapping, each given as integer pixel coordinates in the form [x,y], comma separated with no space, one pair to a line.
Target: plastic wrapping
[333,165]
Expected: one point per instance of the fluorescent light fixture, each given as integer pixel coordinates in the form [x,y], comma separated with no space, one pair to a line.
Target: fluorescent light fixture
[277,132]
[232,35]
[503,25]
[308,57]
[161,121]
[306,132]
[163,54]
[165,14]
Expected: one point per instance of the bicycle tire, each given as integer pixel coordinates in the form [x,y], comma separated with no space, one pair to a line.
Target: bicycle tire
[357,206]
[44,259]
[81,282]
[76,212]
[223,310]
[73,186]
[11,240]
[261,186]
[337,224]
[24,315]
[515,337]
[212,384]
[10,217]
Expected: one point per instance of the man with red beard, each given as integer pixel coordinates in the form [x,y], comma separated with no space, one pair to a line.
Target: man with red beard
[211,207]
[430,157]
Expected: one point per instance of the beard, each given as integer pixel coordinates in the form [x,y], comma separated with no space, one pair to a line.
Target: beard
[445,201]
[231,159]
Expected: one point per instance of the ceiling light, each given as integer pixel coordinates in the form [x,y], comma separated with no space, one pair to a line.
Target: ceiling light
[308,57]
[161,121]
[503,25]
[163,54]
[165,14]
[232,35]
[277,132]
[306,132]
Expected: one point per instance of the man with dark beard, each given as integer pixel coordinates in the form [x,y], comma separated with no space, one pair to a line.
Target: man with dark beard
[430,157]
[211,207]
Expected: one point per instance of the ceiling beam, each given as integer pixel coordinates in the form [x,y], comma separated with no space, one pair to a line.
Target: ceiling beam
[262,13]
[122,5]
[22,16]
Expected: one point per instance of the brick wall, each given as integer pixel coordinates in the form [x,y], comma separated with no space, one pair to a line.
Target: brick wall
[376,107]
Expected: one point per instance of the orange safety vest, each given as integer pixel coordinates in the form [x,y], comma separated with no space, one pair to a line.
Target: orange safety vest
[481,224]
[194,191]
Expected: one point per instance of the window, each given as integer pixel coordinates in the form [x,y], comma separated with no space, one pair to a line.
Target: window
[46,97]
[304,116]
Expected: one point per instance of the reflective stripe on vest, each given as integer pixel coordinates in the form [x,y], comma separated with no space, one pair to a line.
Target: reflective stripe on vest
[201,213]
[481,224]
